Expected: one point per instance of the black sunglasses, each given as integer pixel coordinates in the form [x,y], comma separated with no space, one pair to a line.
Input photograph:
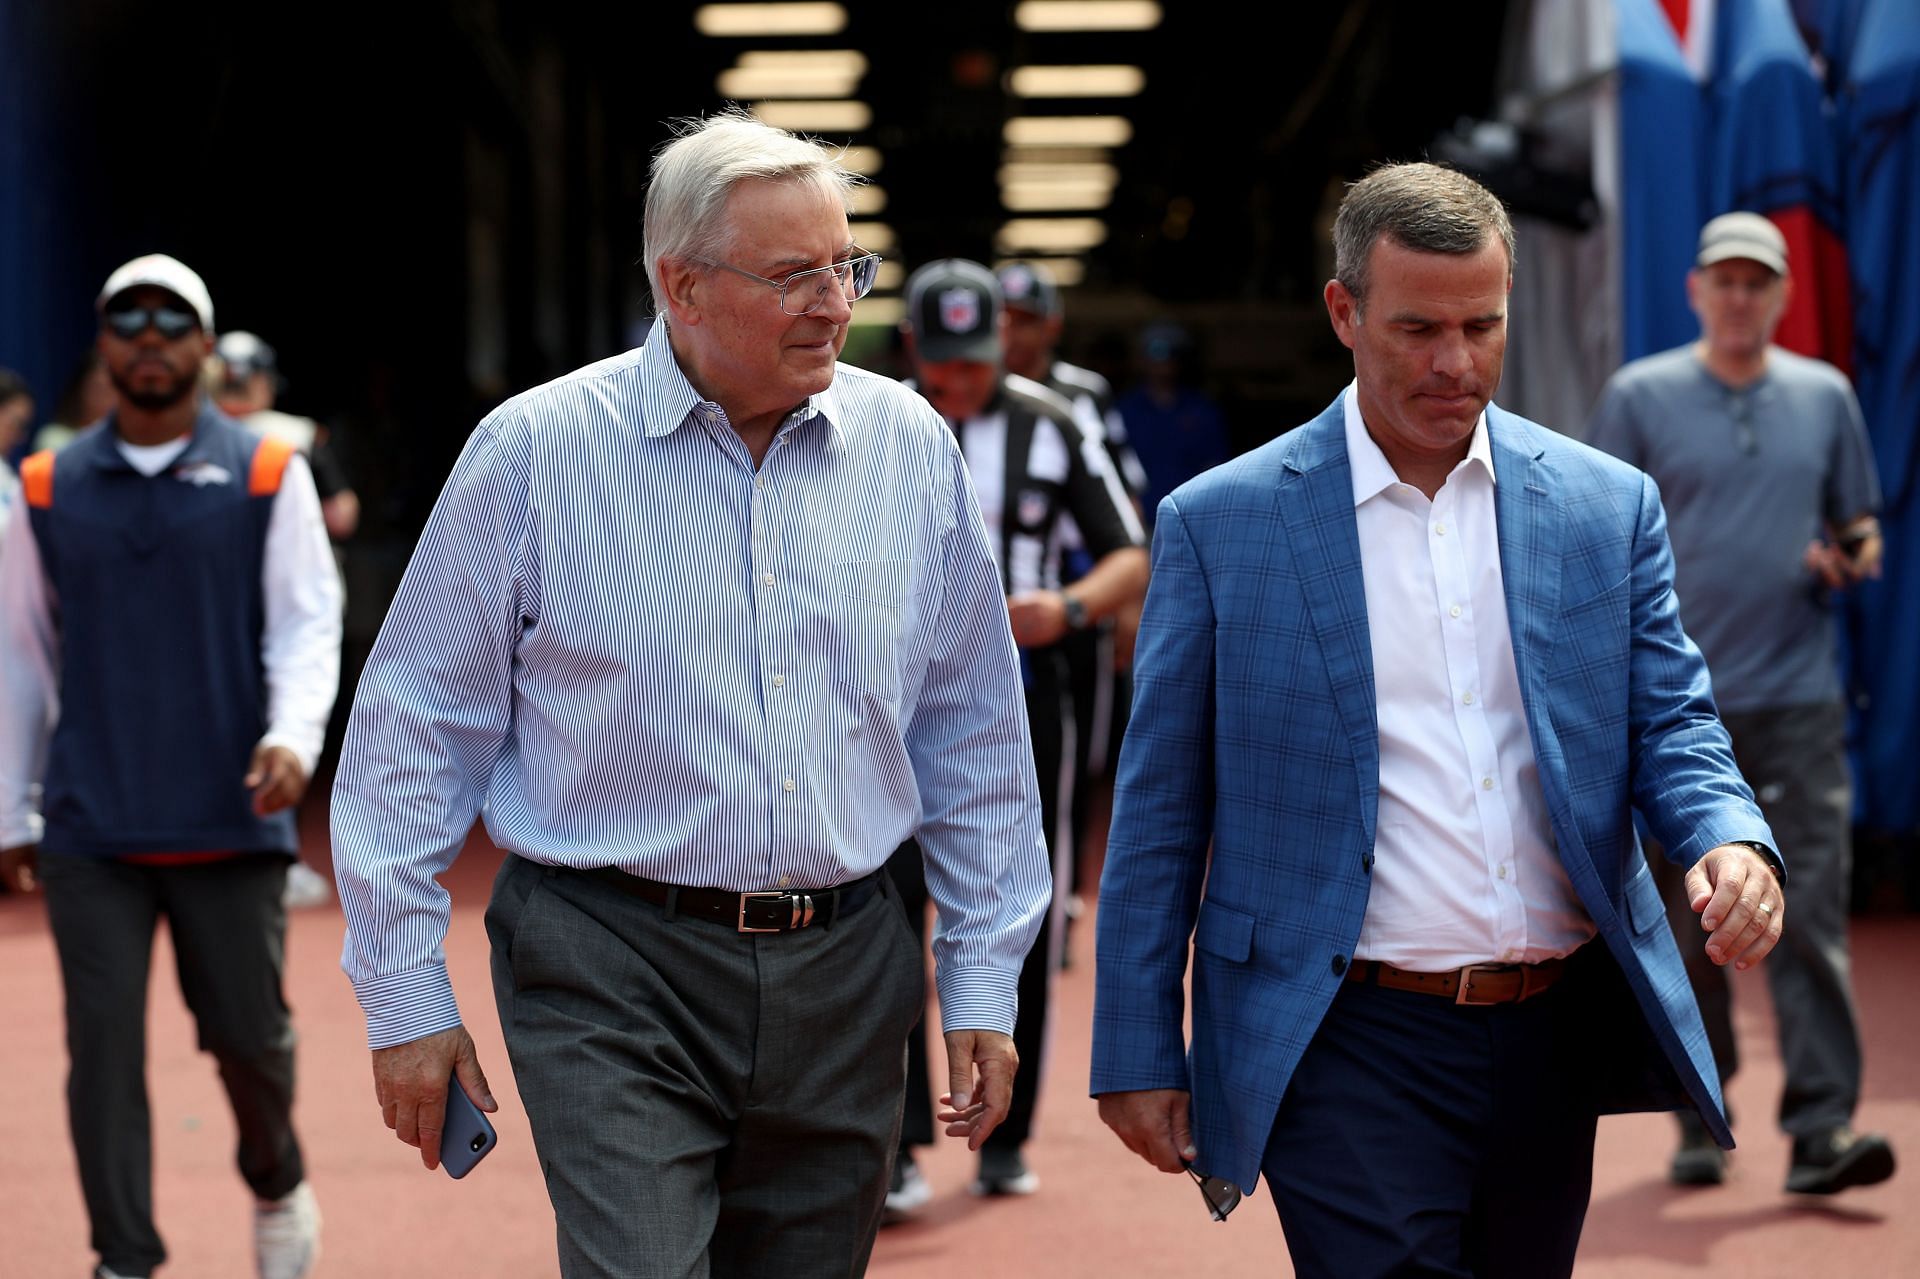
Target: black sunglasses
[1222,1196]
[130,322]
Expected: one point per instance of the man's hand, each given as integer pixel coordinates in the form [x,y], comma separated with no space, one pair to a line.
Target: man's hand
[974,1104]
[276,779]
[1154,1123]
[410,1083]
[1740,904]
[1039,618]
[19,868]
[1837,567]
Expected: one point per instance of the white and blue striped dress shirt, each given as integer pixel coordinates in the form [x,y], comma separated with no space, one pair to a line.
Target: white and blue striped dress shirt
[624,645]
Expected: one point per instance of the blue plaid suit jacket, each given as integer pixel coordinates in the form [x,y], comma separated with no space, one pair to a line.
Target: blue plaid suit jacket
[1254,736]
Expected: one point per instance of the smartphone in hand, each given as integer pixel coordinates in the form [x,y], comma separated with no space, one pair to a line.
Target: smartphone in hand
[466,1134]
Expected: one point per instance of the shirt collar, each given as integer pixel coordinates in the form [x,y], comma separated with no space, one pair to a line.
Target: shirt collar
[669,400]
[1372,473]
[104,451]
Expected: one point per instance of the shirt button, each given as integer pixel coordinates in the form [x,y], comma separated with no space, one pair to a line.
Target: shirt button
[760,482]
[1339,965]
[1502,872]
[1486,783]
[766,579]
[786,880]
[1466,699]
[1454,611]
[787,785]
[1440,530]
[779,681]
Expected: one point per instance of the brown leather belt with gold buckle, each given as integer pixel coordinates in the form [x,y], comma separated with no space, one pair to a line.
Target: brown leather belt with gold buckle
[1474,984]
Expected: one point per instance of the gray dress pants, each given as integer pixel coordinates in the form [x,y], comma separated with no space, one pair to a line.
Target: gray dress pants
[703,1101]
[1795,760]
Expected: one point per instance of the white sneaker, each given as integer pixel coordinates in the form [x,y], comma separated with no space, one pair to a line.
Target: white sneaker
[101,1272]
[286,1234]
[306,887]
[907,1190]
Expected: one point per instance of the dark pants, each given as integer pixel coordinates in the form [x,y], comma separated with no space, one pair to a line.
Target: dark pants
[703,1101]
[1795,760]
[1421,1138]
[229,939]
[1046,713]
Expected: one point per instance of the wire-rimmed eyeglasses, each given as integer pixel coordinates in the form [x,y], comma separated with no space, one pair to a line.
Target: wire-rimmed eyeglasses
[1222,1196]
[804,292]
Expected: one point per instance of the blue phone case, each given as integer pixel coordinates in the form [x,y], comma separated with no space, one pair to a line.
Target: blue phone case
[467,1136]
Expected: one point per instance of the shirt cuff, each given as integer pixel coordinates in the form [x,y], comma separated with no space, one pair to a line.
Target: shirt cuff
[304,748]
[979,999]
[403,1007]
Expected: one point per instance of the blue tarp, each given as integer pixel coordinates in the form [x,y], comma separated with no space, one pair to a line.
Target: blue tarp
[1663,136]
[1879,108]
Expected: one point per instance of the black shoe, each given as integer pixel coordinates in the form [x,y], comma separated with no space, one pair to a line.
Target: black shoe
[1003,1172]
[1699,1161]
[1828,1162]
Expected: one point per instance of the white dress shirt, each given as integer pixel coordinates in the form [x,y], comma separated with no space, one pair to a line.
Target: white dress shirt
[1465,870]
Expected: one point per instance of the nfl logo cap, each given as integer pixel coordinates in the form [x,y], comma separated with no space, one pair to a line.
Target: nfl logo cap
[953,311]
[1743,235]
[1029,287]
[161,272]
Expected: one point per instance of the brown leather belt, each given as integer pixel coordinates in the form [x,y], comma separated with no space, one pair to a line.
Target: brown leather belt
[1474,984]
[770,912]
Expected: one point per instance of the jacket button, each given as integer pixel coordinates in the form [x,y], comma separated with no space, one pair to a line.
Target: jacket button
[1339,965]
[1366,862]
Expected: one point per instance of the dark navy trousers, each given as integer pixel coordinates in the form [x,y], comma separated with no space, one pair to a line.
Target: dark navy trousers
[1418,1137]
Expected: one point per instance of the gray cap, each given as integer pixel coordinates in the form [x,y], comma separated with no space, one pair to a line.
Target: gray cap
[1029,287]
[244,355]
[159,271]
[1743,235]
[953,311]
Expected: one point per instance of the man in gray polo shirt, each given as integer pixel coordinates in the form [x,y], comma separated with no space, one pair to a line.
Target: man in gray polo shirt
[1768,481]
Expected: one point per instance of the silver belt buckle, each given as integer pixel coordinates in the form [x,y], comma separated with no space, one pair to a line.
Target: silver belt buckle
[741,924]
[801,917]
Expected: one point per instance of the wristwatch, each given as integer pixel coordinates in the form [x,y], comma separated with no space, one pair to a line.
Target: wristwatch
[1767,855]
[1077,619]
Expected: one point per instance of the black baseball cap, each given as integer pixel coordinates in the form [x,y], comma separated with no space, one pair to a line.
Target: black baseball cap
[953,311]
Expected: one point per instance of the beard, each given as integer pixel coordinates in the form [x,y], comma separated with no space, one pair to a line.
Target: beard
[153,398]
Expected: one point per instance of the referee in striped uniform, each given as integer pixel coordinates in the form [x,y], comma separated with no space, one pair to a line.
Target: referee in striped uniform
[1034,467]
[705,631]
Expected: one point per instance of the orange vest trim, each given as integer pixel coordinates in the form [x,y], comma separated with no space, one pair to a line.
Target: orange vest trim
[269,466]
[36,479]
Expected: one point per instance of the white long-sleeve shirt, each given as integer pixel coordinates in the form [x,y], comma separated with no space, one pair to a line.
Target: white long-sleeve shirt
[1465,868]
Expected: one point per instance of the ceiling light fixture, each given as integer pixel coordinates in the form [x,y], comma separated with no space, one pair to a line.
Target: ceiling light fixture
[1086,15]
[770,19]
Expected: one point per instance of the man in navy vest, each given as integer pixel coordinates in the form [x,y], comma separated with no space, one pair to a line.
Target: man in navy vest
[172,627]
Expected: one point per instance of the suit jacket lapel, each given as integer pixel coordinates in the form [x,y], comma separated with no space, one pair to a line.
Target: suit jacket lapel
[1315,498]
[1530,513]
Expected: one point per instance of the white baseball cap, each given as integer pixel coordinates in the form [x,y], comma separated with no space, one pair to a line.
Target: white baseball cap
[159,271]
[1743,235]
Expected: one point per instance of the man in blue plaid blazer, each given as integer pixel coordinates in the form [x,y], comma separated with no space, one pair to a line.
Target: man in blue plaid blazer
[1403,676]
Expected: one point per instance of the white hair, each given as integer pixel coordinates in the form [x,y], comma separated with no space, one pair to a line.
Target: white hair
[695,173]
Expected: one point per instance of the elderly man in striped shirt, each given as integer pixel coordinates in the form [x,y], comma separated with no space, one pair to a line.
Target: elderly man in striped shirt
[705,630]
